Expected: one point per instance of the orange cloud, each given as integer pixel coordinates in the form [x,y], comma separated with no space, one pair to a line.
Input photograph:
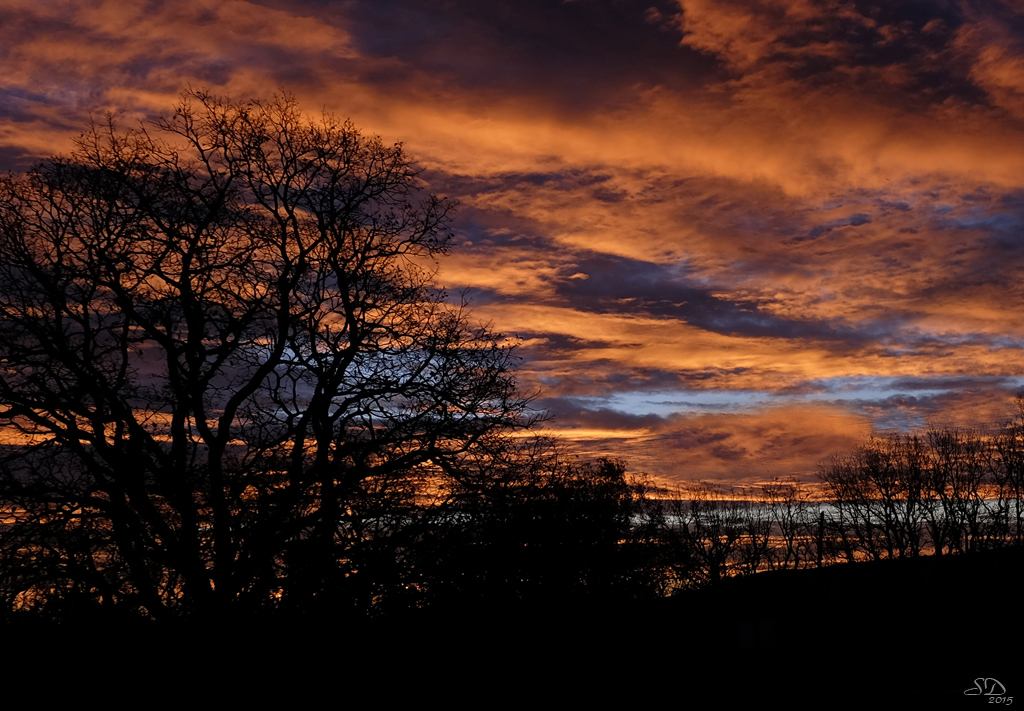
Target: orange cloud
[734,448]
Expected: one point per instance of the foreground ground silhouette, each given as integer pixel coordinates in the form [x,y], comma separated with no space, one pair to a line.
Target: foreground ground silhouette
[914,631]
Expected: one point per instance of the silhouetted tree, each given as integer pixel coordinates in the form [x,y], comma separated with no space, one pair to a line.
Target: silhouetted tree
[790,511]
[754,550]
[227,381]
[850,493]
[955,486]
[706,527]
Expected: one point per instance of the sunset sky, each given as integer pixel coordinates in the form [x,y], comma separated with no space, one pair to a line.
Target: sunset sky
[734,236]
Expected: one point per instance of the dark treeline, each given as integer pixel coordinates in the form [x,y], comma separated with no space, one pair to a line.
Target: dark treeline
[540,530]
[546,531]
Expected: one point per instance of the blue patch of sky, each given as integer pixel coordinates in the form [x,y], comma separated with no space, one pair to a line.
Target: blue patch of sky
[853,391]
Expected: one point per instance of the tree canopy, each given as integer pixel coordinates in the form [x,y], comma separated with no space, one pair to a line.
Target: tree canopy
[224,364]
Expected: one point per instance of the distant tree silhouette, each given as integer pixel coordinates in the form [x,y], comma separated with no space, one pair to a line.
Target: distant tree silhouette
[705,533]
[790,511]
[1008,472]
[754,550]
[950,491]
[228,383]
[955,480]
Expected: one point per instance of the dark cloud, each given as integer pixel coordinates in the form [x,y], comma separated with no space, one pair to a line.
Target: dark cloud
[854,220]
[565,179]
[573,413]
[628,286]
[622,285]
[14,158]
[16,105]
[904,53]
[576,55]
[550,345]
[603,377]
